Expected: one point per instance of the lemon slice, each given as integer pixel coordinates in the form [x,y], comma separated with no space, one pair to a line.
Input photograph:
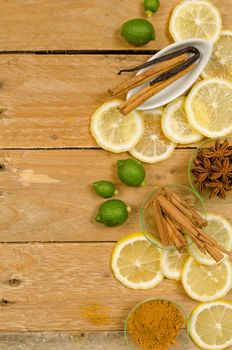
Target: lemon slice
[153,146]
[113,131]
[172,263]
[136,262]
[175,124]
[195,19]
[209,107]
[220,229]
[206,283]
[220,64]
[210,325]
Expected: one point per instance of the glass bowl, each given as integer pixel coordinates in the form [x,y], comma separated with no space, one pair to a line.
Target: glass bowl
[147,220]
[181,340]
[194,185]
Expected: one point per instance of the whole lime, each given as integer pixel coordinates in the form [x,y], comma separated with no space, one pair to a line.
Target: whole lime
[138,31]
[131,172]
[113,212]
[151,6]
[105,189]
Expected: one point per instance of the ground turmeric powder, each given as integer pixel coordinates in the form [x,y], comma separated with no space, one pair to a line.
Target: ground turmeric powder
[155,324]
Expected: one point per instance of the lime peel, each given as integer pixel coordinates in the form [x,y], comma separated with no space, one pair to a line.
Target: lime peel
[138,31]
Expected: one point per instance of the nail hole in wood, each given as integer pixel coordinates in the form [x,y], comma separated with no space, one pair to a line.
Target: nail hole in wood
[14,282]
[2,167]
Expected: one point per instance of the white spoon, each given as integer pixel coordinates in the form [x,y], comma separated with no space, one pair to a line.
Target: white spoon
[180,86]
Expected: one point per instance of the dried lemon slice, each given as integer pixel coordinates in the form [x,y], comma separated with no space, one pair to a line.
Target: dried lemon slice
[206,283]
[195,19]
[112,130]
[220,64]
[209,107]
[153,146]
[136,262]
[175,124]
[172,263]
[210,325]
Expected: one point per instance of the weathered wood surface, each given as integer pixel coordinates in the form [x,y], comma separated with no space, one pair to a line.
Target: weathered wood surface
[47,100]
[69,341]
[80,25]
[69,287]
[47,195]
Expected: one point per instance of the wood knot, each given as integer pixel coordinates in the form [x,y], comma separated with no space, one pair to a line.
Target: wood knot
[4,113]
[14,282]
[5,303]
[2,167]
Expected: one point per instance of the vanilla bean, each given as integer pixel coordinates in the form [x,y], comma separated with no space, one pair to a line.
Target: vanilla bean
[173,71]
[148,75]
[189,49]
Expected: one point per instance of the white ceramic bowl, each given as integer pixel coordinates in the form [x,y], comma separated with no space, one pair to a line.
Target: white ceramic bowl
[180,86]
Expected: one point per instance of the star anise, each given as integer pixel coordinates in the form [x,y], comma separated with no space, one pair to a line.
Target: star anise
[219,151]
[221,170]
[202,169]
[219,189]
[213,169]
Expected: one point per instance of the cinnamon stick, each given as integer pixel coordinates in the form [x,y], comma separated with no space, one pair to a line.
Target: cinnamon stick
[214,252]
[149,91]
[175,235]
[187,210]
[198,243]
[177,217]
[147,75]
[175,213]
[164,237]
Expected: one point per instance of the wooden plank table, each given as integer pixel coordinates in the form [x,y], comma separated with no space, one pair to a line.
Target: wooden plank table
[57,59]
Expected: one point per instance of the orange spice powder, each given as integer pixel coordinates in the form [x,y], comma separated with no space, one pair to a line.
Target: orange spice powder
[155,324]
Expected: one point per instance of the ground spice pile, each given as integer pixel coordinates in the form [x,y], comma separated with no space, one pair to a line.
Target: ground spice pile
[155,324]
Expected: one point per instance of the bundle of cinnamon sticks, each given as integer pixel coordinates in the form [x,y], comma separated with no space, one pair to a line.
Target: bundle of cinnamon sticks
[175,220]
[165,71]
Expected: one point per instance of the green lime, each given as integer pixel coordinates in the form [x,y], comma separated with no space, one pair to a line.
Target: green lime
[138,31]
[112,213]
[131,172]
[151,6]
[105,189]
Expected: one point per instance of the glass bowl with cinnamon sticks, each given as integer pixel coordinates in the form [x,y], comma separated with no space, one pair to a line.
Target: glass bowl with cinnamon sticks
[210,170]
[168,213]
[156,323]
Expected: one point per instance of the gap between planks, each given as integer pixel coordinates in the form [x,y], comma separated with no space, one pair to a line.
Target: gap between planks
[182,147]
[80,52]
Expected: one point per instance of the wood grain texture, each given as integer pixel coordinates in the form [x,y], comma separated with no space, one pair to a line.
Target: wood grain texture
[47,195]
[69,287]
[79,25]
[47,101]
[69,341]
